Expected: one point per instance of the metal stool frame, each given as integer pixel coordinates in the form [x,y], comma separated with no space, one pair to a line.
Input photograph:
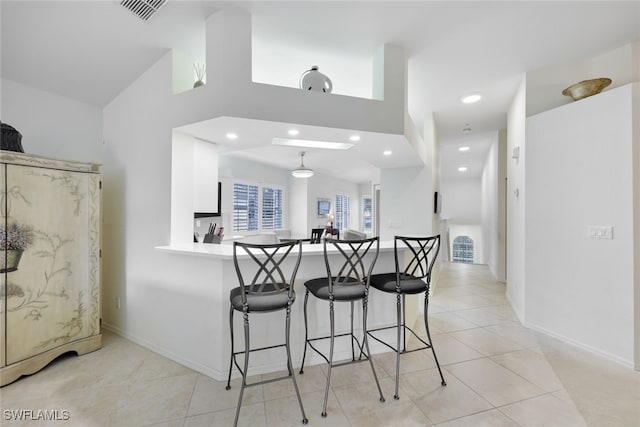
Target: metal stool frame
[352,272]
[268,280]
[424,251]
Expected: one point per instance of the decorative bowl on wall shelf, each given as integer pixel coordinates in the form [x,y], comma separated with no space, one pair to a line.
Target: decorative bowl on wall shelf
[586,88]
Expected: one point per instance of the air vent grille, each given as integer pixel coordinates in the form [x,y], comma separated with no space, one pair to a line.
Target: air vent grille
[144,9]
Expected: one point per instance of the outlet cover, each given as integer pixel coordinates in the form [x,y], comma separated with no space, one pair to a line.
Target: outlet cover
[604,232]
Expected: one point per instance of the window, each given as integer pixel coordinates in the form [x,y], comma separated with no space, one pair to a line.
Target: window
[463,249]
[342,212]
[257,208]
[271,208]
[367,213]
[245,207]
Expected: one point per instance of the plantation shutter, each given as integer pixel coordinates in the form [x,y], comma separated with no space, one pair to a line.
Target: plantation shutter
[271,208]
[245,207]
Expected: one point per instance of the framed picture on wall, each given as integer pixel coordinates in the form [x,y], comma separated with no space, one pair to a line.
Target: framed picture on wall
[324,207]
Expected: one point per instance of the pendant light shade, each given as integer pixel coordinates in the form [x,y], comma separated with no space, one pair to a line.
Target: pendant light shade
[302,171]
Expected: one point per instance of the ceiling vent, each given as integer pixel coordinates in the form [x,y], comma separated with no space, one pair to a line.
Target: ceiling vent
[144,9]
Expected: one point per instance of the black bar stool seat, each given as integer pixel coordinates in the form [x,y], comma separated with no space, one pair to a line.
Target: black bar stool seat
[271,299]
[348,289]
[387,282]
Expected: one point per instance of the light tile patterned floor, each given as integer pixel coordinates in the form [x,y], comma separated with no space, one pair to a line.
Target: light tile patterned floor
[498,374]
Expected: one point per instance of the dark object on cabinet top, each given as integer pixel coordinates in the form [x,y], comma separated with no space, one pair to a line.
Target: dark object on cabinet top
[11,139]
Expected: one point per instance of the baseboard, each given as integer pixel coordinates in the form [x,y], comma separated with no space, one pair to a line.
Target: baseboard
[312,357]
[518,313]
[206,370]
[606,355]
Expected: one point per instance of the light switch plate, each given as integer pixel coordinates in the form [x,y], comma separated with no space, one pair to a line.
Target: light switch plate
[600,232]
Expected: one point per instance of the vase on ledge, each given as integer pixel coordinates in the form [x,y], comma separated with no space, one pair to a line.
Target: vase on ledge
[314,80]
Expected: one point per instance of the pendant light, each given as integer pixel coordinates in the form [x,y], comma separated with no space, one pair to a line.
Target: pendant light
[302,171]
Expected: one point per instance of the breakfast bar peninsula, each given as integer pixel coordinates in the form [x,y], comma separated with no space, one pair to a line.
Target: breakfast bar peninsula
[208,274]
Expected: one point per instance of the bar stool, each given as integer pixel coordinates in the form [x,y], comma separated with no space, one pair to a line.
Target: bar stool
[267,290]
[413,279]
[348,282]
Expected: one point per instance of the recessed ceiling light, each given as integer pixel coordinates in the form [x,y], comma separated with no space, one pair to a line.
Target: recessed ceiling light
[470,99]
[308,143]
[387,152]
[293,132]
[232,135]
[462,169]
[354,137]
[463,149]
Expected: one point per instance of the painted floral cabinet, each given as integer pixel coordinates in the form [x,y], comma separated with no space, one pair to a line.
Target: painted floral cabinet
[49,261]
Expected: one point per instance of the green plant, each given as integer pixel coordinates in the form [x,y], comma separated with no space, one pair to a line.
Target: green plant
[16,237]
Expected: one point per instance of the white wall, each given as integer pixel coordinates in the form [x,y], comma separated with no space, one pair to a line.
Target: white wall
[432,161]
[580,173]
[516,202]
[636,209]
[406,202]
[52,125]
[299,208]
[327,187]
[243,169]
[461,200]
[493,207]
[137,207]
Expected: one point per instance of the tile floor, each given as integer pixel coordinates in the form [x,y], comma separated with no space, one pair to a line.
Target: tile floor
[498,374]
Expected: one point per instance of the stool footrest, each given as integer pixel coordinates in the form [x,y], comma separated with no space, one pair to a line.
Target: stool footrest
[353,337]
[260,349]
[272,380]
[426,344]
[235,362]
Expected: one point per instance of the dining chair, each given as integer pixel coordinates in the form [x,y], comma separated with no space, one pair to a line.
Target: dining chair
[316,235]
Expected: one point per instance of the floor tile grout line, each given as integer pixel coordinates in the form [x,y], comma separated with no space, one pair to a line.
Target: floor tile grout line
[193,391]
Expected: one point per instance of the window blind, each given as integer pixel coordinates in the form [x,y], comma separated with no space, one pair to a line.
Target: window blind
[271,208]
[342,212]
[245,207]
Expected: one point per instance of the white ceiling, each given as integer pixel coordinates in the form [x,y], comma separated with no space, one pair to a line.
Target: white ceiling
[92,50]
[360,163]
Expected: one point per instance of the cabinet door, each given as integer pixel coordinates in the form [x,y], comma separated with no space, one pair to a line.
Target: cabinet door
[3,276]
[52,282]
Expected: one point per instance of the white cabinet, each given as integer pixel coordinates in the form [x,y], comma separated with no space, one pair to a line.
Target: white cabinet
[49,261]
